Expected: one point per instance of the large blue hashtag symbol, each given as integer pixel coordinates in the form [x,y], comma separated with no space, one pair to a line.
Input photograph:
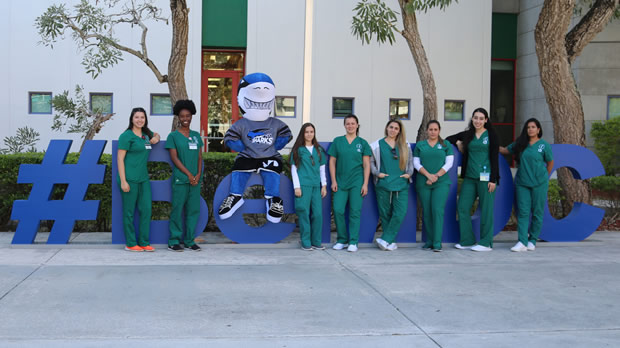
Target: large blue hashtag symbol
[53,170]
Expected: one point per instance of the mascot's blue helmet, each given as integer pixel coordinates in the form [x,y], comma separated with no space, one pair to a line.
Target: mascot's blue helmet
[256,96]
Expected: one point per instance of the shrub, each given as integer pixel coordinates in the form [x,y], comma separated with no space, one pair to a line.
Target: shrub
[607,144]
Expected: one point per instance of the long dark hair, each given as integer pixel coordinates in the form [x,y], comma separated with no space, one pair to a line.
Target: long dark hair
[357,132]
[523,140]
[145,128]
[439,126]
[471,130]
[301,141]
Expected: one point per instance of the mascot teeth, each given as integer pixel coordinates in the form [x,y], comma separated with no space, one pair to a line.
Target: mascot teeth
[250,104]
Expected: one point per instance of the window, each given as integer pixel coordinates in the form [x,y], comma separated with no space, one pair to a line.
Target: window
[39,102]
[285,106]
[341,107]
[453,110]
[399,108]
[101,102]
[161,105]
[613,106]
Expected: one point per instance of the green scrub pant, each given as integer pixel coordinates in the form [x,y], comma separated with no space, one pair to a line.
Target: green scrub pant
[530,200]
[310,200]
[392,210]
[185,197]
[433,199]
[470,189]
[354,197]
[139,194]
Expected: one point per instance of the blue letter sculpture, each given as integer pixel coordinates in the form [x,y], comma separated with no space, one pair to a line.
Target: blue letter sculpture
[161,191]
[583,219]
[72,207]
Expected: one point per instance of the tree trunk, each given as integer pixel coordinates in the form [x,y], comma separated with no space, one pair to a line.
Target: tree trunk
[561,91]
[429,91]
[178,54]
[556,51]
[95,127]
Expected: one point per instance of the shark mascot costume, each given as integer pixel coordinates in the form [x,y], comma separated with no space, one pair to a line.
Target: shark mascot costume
[258,137]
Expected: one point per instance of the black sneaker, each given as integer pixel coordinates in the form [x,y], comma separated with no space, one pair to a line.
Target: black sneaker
[176,247]
[275,209]
[229,206]
[194,247]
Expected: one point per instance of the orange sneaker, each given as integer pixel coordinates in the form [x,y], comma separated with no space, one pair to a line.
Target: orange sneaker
[134,248]
[148,248]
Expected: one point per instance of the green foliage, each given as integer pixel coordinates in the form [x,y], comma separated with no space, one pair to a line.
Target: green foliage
[90,28]
[609,184]
[607,144]
[24,141]
[425,5]
[373,17]
[376,18]
[76,112]
[555,195]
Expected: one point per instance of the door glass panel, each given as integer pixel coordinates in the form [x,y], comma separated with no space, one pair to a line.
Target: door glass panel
[222,61]
[502,91]
[220,111]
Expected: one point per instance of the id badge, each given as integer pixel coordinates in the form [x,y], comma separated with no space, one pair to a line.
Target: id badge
[147,146]
[485,176]
[193,146]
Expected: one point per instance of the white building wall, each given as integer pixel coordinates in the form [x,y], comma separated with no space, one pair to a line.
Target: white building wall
[457,46]
[275,46]
[33,67]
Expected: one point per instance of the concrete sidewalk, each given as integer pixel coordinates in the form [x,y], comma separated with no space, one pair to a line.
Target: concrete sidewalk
[97,295]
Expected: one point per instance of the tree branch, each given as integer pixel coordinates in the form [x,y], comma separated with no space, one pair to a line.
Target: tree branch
[141,55]
[588,27]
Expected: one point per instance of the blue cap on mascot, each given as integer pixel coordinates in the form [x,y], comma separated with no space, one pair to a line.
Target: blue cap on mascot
[256,96]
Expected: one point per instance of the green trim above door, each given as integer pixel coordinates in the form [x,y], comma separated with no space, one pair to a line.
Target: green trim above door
[224,23]
[504,36]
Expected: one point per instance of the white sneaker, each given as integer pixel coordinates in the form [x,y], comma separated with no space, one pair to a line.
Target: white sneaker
[479,247]
[531,246]
[352,248]
[339,246]
[459,246]
[391,247]
[381,244]
[518,247]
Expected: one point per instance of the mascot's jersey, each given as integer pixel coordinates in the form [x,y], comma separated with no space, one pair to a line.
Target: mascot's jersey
[258,137]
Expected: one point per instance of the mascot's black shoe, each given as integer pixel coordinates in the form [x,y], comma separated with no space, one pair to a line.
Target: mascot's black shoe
[275,209]
[229,206]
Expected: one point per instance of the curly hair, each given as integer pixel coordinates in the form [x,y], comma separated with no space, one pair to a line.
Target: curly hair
[184,104]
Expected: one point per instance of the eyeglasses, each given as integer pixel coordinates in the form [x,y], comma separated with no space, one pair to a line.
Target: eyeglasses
[394,155]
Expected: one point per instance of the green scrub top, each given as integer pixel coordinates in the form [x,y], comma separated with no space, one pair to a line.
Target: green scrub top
[310,174]
[187,151]
[350,162]
[432,158]
[533,163]
[138,149]
[478,149]
[391,167]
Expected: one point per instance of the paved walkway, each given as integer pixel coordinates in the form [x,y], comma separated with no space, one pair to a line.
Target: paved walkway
[94,295]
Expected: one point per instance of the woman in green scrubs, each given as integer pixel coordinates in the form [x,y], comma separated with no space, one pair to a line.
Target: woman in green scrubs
[392,167]
[480,172]
[535,159]
[433,158]
[349,168]
[308,161]
[134,146]
[185,148]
